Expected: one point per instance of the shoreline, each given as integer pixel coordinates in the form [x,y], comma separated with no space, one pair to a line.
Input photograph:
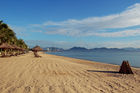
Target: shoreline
[90,60]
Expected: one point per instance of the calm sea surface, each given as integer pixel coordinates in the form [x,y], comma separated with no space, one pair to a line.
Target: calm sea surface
[105,57]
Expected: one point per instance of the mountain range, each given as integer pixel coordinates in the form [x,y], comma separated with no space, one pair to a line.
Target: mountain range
[55,49]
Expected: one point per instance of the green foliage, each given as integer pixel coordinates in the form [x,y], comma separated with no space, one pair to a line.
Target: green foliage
[7,35]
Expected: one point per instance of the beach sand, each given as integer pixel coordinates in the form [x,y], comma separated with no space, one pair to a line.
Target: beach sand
[57,74]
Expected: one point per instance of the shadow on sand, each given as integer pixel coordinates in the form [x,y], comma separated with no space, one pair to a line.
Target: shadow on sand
[103,71]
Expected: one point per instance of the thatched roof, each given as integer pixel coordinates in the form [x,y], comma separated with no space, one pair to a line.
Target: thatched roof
[19,48]
[11,47]
[15,47]
[5,46]
[125,68]
[23,49]
[37,48]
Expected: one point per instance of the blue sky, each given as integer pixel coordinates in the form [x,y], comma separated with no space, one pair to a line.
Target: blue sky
[68,23]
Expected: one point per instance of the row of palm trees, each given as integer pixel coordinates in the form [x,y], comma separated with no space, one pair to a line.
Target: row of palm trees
[9,43]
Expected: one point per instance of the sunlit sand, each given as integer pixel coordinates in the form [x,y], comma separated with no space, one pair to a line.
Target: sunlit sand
[56,74]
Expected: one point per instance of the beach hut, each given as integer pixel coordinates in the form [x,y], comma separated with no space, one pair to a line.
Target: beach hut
[36,49]
[125,68]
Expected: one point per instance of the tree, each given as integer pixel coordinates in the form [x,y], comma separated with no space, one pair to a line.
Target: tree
[7,35]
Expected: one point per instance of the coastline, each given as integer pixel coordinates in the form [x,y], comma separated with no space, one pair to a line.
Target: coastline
[91,60]
[58,74]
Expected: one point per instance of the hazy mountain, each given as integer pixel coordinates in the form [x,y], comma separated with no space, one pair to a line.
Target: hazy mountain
[55,49]
[106,49]
[131,49]
[77,49]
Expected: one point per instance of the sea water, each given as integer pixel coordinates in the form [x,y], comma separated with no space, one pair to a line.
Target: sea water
[110,57]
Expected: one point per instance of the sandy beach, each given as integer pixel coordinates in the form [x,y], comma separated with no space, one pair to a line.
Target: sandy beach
[57,74]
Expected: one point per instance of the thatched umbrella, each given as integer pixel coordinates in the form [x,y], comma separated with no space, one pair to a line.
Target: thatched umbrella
[125,68]
[35,49]
[23,51]
[11,47]
[10,50]
[5,46]
[19,50]
[15,47]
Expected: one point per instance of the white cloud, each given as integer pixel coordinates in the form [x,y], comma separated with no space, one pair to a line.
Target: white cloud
[124,33]
[121,44]
[97,26]
[124,24]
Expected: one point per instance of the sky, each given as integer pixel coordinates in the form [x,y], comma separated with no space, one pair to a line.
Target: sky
[69,23]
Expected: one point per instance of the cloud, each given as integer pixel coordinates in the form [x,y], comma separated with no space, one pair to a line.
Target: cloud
[106,26]
[123,24]
[121,44]
[123,33]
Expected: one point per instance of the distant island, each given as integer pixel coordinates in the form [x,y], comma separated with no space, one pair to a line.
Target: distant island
[83,49]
